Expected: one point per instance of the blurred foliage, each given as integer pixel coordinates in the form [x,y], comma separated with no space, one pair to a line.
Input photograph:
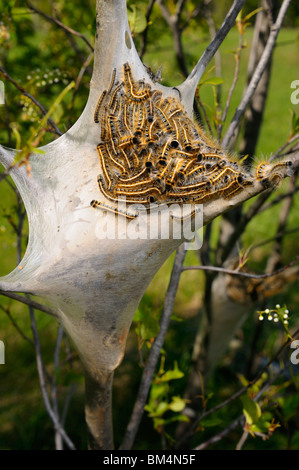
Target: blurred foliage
[49,62]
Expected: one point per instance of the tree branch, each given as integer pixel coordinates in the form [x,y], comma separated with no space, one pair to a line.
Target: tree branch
[32,98]
[214,45]
[230,133]
[233,272]
[40,369]
[144,34]
[30,302]
[236,395]
[149,368]
[60,24]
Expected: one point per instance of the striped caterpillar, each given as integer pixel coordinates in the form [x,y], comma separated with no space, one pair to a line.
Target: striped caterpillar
[152,152]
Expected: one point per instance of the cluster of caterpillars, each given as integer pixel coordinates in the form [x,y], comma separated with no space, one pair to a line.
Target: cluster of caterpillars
[152,152]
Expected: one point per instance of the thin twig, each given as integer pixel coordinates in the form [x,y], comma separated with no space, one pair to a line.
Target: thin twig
[278,199]
[214,45]
[58,437]
[202,107]
[149,369]
[220,435]
[32,98]
[265,57]
[144,34]
[243,222]
[275,258]
[291,141]
[14,323]
[234,272]
[80,77]
[60,24]
[30,302]
[173,21]
[242,440]
[272,239]
[213,31]
[233,85]
[40,369]
[241,419]
[232,398]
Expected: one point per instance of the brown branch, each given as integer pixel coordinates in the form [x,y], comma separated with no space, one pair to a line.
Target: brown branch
[274,260]
[144,34]
[233,272]
[243,222]
[40,368]
[278,199]
[149,368]
[80,77]
[30,302]
[16,326]
[173,22]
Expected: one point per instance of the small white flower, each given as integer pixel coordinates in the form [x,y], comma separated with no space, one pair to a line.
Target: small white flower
[261,317]
[270,317]
[286,311]
[267,310]
[277,306]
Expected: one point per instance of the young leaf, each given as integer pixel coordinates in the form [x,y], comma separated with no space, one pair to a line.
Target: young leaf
[251,409]
[173,374]
[137,19]
[177,404]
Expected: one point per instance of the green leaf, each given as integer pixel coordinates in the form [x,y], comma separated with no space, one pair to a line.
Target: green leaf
[173,419]
[147,324]
[211,422]
[158,411]
[159,390]
[243,380]
[173,374]
[137,19]
[176,318]
[177,404]
[251,409]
